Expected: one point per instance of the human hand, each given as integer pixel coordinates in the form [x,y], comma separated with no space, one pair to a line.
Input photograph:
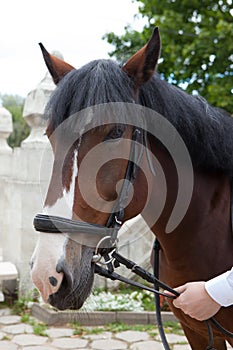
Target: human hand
[195,301]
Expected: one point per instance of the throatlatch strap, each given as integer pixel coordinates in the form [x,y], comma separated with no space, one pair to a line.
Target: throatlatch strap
[156,296]
[231,205]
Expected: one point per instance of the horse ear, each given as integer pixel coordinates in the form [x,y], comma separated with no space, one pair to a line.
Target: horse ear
[57,67]
[141,66]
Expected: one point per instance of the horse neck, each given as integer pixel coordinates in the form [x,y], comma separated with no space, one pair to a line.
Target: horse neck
[206,218]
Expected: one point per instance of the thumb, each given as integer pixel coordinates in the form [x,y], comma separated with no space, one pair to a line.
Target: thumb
[179,289]
[178,302]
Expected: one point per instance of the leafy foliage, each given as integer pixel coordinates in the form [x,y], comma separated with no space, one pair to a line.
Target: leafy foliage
[197,45]
[106,301]
[123,299]
[21,305]
[14,104]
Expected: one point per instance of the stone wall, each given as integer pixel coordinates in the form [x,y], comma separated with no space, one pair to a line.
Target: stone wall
[24,177]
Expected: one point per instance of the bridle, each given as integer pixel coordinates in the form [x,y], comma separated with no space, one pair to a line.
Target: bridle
[108,237]
[57,224]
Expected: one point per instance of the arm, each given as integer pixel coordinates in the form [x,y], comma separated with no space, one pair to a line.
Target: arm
[220,288]
[202,300]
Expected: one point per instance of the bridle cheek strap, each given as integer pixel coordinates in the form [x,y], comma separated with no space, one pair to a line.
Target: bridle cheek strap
[136,152]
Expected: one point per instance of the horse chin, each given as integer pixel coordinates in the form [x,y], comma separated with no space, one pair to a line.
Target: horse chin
[73,300]
[75,287]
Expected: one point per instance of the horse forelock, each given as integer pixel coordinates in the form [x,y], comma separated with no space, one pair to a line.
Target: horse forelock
[96,83]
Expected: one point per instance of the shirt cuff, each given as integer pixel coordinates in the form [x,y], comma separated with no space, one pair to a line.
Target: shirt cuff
[220,289]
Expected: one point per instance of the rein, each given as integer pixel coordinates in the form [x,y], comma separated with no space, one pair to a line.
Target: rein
[108,234]
[118,259]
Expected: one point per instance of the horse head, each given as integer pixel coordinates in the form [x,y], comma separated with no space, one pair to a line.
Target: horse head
[91,158]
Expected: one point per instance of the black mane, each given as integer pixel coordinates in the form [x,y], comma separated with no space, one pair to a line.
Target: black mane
[206,131]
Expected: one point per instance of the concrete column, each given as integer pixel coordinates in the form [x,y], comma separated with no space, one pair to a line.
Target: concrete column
[33,111]
[6,128]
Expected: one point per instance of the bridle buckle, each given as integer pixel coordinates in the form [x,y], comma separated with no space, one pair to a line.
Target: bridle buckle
[97,256]
[118,221]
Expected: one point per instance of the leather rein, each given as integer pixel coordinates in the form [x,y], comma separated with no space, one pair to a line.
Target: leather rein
[108,238]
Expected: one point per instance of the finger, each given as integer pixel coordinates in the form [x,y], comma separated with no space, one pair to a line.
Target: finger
[168,293]
[177,303]
[179,289]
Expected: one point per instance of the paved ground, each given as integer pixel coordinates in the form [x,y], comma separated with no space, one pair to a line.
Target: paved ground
[15,335]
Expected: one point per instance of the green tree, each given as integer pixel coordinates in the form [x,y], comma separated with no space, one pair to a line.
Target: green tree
[197,45]
[14,104]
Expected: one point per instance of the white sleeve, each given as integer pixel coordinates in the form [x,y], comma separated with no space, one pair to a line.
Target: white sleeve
[220,288]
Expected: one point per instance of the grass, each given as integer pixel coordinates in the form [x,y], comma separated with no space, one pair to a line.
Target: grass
[39,328]
[20,305]
[173,327]
[25,318]
[116,327]
[3,305]
[6,338]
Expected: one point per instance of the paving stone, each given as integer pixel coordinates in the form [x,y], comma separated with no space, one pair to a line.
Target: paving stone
[2,335]
[174,338]
[18,329]
[38,348]
[109,344]
[69,343]
[61,338]
[104,335]
[29,339]
[181,347]
[9,319]
[132,336]
[59,332]
[147,345]
[5,312]
[8,345]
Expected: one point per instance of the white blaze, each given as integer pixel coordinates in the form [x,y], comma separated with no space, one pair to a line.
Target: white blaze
[50,247]
[64,205]
[48,251]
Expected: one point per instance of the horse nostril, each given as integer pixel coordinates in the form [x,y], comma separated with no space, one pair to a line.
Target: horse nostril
[53,281]
[63,267]
[31,263]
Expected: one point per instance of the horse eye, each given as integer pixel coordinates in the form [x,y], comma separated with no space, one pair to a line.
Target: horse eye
[116,133]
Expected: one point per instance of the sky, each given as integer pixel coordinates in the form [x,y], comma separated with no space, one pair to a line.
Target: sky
[73,27]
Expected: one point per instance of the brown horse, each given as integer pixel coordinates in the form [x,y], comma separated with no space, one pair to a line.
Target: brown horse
[181,185]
